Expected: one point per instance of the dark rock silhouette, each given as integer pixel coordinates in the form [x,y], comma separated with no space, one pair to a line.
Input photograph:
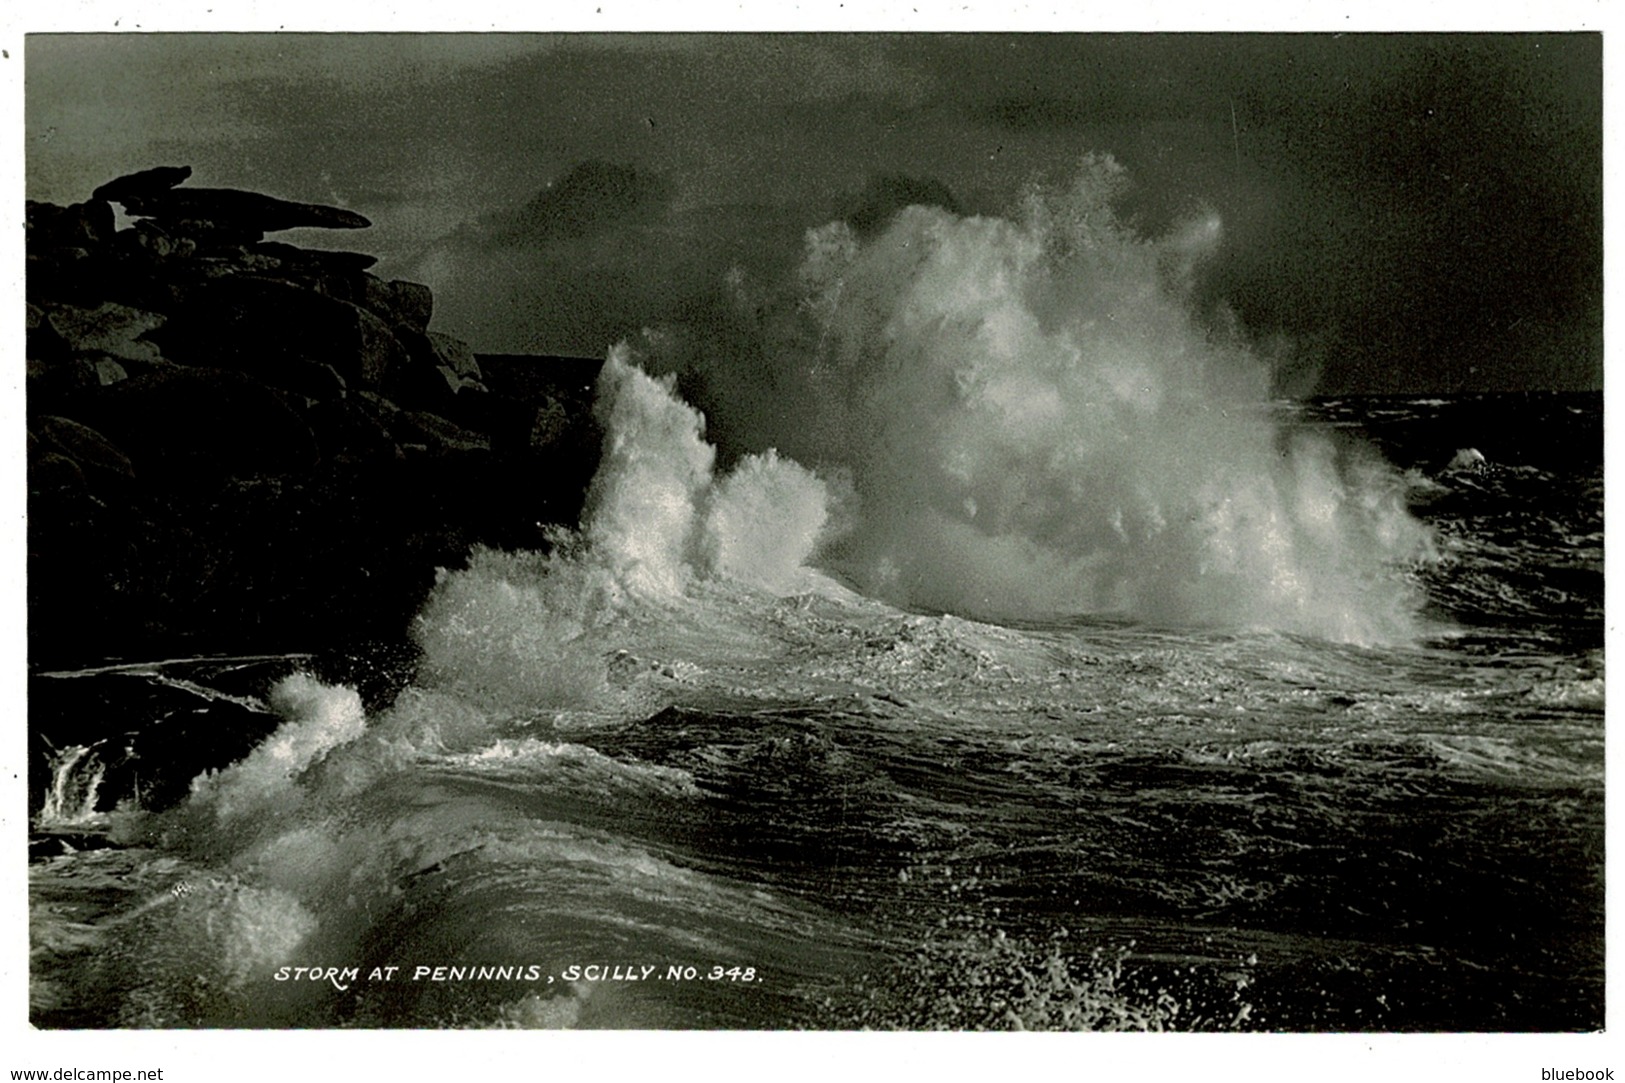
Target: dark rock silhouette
[143,184]
[83,444]
[406,305]
[236,443]
[204,422]
[216,213]
[320,263]
[263,325]
[110,328]
[81,226]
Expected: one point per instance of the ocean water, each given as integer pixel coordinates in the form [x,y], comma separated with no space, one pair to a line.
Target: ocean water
[1048,674]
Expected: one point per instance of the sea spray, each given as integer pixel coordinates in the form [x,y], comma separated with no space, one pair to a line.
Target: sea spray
[803,783]
[254,865]
[657,513]
[318,719]
[1040,420]
[1021,417]
[295,851]
[76,778]
[540,630]
[654,470]
[763,522]
[326,845]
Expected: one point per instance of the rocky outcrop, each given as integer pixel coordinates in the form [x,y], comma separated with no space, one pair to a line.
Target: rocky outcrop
[267,326]
[216,213]
[191,284]
[186,422]
[144,184]
[406,305]
[229,434]
[81,227]
[109,329]
[89,449]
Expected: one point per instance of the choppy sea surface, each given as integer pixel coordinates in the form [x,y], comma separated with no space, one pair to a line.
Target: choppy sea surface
[687,770]
[997,652]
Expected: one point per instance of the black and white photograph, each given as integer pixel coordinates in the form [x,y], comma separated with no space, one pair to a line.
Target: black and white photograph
[818,530]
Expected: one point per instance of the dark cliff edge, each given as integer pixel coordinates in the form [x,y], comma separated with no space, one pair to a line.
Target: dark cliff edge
[239,445]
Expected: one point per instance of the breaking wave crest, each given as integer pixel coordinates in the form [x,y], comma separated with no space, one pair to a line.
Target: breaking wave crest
[1031,416]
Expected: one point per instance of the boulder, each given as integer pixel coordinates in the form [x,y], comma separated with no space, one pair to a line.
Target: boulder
[203,421]
[408,305]
[259,324]
[384,409]
[211,455]
[112,329]
[231,212]
[549,427]
[311,381]
[335,274]
[538,378]
[58,274]
[423,430]
[434,380]
[51,472]
[154,241]
[143,184]
[379,349]
[435,434]
[540,404]
[87,278]
[85,225]
[351,430]
[43,342]
[455,354]
[213,263]
[320,261]
[109,371]
[88,448]
[55,385]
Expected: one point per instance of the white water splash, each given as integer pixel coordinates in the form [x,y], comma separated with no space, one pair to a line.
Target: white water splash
[76,779]
[1039,420]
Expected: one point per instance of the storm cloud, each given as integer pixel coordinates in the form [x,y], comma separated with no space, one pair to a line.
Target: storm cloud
[1413,212]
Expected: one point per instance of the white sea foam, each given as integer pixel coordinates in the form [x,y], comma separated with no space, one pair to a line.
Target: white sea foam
[524,630]
[318,718]
[1037,419]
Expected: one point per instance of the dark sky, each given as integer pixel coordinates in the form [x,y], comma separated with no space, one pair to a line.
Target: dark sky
[1401,212]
